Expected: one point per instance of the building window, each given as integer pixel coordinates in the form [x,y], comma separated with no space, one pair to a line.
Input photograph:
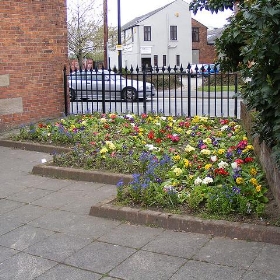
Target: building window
[195,34]
[178,60]
[147,33]
[164,60]
[173,32]
[155,60]
[132,34]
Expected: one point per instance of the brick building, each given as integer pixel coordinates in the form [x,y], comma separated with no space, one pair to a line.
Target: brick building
[33,52]
[202,51]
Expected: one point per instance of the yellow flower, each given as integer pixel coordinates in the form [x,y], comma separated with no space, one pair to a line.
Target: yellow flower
[250,147]
[205,152]
[189,148]
[177,157]
[103,150]
[177,171]
[170,119]
[258,188]
[186,163]
[208,166]
[239,180]
[254,181]
[253,171]
[188,132]
[245,138]
[207,141]
[221,151]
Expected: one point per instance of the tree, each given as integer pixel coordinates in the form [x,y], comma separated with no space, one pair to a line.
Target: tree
[251,44]
[86,30]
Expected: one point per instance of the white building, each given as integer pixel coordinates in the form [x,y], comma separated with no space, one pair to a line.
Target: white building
[160,38]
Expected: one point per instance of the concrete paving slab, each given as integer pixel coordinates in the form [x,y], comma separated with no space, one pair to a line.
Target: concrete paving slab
[133,236]
[52,184]
[6,253]
[9,188]
[54,220]
[90,227]
[207,271]
[68,273]
[7,224]
[28,195]
[26,213]
[170,243]
[147,265]
[24,266]
[236,253]
[268,260]
[23,237]
[100,257]
[57,247]
[254,275]
[7,205]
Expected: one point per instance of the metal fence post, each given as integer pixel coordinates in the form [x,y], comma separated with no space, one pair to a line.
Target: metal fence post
[144,91]
[235,93]
[189,94]
[65,91]
[103,91]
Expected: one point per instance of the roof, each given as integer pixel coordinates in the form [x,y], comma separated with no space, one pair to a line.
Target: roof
[214,34]
[137,20]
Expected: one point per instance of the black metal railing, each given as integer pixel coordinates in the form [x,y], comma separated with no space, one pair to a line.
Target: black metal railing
[168,91]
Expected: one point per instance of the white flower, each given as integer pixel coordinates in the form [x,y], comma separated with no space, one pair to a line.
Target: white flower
[222,164]
[207,180]
[163,118]
[150,147]
[197,181]
[234,165]
[214,158]
[225,127]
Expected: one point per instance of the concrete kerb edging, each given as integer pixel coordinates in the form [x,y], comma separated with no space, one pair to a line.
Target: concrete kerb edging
[106,209]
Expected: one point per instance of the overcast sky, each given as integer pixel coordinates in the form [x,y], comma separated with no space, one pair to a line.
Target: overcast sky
[133,8]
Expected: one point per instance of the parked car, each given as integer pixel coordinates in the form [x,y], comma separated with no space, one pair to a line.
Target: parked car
[88,85]
[205,69]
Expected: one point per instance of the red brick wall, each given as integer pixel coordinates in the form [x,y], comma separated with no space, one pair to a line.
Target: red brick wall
[33,52]
[207,53]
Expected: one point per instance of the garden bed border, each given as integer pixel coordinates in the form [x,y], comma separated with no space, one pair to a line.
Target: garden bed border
[263,153]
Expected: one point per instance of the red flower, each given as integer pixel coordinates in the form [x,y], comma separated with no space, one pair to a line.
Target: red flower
[144,116]
[221,171]
[158,140]
[242,144]
[173,138]
[248,159]
[151,135]
[239,161]
[224,121]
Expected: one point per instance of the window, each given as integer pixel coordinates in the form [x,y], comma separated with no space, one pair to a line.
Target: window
[164,60]
[173,32]
[155,60]
[178,60]
[147,33]
[132,35]
[195,34]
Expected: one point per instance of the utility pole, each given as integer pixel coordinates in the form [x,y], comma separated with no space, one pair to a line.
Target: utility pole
[105,12]
[119,37]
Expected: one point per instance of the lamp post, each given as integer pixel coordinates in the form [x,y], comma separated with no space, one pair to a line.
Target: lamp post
[119,37]
[105,12]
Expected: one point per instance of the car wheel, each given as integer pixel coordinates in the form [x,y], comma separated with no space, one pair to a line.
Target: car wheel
[129,94]
[72,94]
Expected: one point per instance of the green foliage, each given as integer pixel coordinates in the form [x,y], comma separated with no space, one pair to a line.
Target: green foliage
[213,5]
[251,44]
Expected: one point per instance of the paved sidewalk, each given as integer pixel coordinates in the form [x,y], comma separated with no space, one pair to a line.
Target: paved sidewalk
[46,233]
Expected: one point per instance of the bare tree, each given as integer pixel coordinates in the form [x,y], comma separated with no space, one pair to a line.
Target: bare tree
[85,29]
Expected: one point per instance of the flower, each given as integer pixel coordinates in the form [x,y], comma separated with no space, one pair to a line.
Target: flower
[239,180]
[189,148]
[207,180]
[213,158]
[205,152]
[222,164]
[258,188]
[177,171]
[197,181]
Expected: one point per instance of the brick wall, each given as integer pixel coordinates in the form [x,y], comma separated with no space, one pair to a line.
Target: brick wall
[33,52]
[207,53]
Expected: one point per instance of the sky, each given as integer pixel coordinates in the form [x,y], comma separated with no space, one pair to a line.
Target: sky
[131,9]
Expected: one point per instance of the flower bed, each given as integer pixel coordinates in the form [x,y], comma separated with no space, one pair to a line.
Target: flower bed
[198,163]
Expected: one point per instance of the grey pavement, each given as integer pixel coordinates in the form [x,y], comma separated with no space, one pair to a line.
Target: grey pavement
[46,233]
